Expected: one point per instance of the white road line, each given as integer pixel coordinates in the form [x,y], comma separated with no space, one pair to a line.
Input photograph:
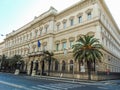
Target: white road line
[102,88]
[57,87]
[15,85]
[63,86]
[43,86]
[38,88]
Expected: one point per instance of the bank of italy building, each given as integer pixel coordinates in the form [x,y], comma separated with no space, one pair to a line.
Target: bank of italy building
[58,31]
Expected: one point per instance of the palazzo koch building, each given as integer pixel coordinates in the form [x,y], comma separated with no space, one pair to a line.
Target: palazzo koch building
[58,31]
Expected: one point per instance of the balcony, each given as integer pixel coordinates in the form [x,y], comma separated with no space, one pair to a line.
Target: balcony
[38,53]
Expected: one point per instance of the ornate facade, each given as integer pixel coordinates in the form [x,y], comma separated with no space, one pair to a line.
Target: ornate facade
[2,46]
[57,32]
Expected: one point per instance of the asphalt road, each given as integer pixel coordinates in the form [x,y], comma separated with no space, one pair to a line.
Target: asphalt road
[12,82]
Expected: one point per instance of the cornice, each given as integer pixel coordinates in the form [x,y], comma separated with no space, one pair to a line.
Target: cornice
[78,6]
[109,14]
[83,25]
[42,18]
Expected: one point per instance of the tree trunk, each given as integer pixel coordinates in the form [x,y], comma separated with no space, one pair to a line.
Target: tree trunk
[89,70]
[49,66]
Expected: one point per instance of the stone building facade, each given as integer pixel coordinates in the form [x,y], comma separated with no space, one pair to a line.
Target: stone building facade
[58,31]
[2,46]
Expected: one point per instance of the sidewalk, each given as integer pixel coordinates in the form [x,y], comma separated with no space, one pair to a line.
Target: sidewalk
[115,82]
[63,79]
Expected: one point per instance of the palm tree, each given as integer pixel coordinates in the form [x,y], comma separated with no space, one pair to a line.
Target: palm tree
[87,49]
[48,56]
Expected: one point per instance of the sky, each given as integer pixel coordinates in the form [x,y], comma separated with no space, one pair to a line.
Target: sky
[16,13]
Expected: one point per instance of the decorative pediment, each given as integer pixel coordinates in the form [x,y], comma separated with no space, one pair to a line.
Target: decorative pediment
[36,30]
[79,14]
[72,17]
[78,36]
[25,48]
[46,26]
[64,40]
[89,10]
[64,20]
[21,49]
[58,23]
[57,41]
[44,43]
[71,38]
[40,28]
[33,46]
[90,33]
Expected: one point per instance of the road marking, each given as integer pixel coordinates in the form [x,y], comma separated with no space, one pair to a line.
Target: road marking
[38,88]
[102,88]
[15,85]
[43,86]
[59,86]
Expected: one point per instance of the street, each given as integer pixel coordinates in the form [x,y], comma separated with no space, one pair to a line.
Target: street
[12,82]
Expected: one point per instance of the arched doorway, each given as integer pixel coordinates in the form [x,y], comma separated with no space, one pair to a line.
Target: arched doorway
[56,65]
[63,65]
[71,65]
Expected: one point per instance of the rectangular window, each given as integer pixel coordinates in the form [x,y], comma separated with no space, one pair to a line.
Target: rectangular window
[40,32]
[89,16]
[71,22]
[46,29]
[35,34]
[30,35]
[64,25]
[80,19]
[44,47]
[58,27]
[71,44]
[57,47]
[64,45]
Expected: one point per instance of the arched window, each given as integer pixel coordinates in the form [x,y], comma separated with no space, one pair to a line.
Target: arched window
[63,65]
[56,65]
[71,65]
